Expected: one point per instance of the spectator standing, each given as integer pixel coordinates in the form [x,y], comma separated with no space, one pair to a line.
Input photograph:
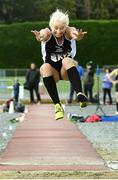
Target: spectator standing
[89,80]
[33,79]
[106,85]
[113,77]
[16,87]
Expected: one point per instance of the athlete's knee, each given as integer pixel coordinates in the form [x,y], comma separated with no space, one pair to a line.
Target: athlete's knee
[45,69]
[67,62]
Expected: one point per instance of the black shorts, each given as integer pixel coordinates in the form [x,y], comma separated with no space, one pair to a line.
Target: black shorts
[57,66]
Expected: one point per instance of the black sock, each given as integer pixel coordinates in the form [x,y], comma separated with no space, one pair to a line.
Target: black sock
[50,85]
[117,106]
[74,78]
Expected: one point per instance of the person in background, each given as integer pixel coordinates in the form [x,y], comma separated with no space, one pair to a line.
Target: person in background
[113,77]
[33,79]
[6,105]
[89,80]
[57,53]
[16,87]
[106,85]
[80,70]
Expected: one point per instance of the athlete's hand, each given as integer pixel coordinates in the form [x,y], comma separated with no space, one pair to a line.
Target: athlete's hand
[78,34]
[39,36]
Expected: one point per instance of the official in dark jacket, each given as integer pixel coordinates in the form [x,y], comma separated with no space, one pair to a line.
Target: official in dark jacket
[89,80]
[33,79]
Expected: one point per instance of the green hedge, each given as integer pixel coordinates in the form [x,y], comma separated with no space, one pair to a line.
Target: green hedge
[18,47]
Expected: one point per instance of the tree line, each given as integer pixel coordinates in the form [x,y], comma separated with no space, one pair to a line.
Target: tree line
[39,10]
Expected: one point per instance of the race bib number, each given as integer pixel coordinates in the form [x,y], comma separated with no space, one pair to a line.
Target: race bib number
[58,57]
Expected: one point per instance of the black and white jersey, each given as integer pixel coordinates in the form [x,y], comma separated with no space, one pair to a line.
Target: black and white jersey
[52,51]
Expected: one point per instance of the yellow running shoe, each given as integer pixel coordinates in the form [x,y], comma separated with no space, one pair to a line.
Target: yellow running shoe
[82,99]
[59,112]
[83,104]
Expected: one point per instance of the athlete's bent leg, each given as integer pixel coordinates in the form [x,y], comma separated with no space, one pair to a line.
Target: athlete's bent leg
[74,77]
[47,73]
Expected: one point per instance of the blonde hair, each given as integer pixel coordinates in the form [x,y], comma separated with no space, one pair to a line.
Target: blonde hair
[59,15]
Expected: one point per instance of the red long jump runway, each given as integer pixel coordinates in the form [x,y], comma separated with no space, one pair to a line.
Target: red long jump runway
[41,143]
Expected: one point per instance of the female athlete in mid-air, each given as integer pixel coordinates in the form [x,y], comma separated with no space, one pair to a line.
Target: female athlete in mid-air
[58,49]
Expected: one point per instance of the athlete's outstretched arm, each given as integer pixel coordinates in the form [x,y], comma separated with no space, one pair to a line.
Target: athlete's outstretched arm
[76,34]
[42,35]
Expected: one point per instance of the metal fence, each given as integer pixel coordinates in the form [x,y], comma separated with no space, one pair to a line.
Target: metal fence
[8,78]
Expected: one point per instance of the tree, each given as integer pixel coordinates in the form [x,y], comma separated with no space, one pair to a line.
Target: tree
[19,10]
[48,6]
[30,10]
[6,10]
[94,9]
[39,10]
[115,9]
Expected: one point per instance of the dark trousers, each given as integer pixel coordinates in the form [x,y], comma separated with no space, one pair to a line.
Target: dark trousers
[88,90]
[36,89]
[105,92]
[16,96]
